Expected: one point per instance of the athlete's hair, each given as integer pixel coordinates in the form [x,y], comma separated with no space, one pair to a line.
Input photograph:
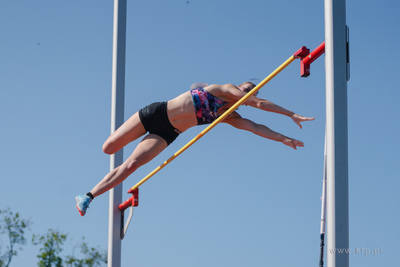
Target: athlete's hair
[252,84]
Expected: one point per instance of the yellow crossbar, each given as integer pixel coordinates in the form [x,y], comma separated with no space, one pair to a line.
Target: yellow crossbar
[218,120]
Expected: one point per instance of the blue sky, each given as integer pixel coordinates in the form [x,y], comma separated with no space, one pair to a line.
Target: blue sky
[232,199]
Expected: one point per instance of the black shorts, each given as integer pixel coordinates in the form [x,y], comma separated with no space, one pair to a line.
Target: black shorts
[155,120]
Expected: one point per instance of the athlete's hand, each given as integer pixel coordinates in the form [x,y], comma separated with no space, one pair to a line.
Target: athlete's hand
[298,119]
[293,143]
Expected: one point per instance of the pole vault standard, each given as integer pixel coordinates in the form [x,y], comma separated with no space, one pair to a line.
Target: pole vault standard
[336,64]
[299,54]
[117,119]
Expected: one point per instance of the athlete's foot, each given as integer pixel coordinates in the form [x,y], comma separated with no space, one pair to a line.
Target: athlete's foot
[82,203]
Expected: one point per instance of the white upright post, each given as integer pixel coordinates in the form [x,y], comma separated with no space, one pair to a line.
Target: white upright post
[336,134]
[117,119]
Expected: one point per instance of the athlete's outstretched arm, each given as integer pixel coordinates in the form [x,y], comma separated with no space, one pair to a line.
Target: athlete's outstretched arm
[263,104]
[244,124]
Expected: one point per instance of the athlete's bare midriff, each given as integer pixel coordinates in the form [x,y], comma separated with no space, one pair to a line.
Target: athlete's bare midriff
[181,112]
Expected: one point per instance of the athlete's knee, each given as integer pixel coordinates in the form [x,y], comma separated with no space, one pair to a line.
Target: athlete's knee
[131,165]
[109,147]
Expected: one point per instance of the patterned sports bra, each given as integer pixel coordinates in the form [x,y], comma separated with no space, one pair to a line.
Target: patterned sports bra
[206,105]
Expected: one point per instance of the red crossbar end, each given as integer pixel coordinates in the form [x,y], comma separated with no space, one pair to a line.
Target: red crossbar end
[302,52]
[304,68]
[308,59]
[132,201]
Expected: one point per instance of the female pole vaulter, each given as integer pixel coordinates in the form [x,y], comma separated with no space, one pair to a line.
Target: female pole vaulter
[162,122]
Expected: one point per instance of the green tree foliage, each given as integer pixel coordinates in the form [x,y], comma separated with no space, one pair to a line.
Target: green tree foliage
[52,247]
[12,238]
[13,227]
[92,258]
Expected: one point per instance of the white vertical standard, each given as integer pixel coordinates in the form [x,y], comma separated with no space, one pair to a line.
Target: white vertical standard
[336,134]
[117,119]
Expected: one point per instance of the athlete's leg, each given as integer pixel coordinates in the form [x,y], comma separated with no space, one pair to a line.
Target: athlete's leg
[147,149]
[131,130]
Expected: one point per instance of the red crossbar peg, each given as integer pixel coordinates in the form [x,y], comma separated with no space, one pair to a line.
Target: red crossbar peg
[310,58]
[132,201]
[302,52]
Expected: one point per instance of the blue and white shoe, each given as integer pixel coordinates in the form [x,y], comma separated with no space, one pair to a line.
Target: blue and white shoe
[82,203]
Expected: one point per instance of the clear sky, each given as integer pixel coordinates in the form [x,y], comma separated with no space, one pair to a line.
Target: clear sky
[232,199]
